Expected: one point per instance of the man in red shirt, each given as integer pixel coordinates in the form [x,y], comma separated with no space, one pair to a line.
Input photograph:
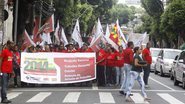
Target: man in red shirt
[6,70]
[128,60]
[148,58]
[101,66]
[110,67]
[119,66]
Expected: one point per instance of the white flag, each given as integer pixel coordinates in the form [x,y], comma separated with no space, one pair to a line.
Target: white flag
[76,34]
[63,37]
[107,34]
[46,38]
[56,32]
[98,31]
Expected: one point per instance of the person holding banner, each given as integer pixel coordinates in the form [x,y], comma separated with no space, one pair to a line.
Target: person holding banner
[119,66]
[70,48]
[6,70]
[16,64]
[148,58]
[85,48]
[101,66]
[128,58]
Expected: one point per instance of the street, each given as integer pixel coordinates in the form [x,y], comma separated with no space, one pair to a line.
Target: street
[161,91]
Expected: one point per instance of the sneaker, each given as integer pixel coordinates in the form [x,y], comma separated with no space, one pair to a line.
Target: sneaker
[147,86]
[147,99]
[6,101]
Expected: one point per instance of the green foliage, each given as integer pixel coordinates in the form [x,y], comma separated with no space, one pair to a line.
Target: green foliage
[67,11]
[121,12]
[173,21]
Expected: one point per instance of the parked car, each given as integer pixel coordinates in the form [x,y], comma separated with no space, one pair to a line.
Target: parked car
[173,67]
[154,54]
[179,72]
[165,61]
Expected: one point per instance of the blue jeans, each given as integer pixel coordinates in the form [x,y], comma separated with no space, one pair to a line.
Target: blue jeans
[4,85]
[119,75]
[127,69]
[136,76]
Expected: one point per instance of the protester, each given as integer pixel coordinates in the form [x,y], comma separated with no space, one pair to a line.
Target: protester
[31,49]
[70,48]
[85,48]
[135,74]
[6,70]
[38,48]
[148,58]
[101,66]
[110,67]
[119,66]
[16,64]
[62,48]
[128,58]
[47,48]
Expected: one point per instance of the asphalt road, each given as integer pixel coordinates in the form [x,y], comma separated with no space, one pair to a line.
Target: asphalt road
[161,91]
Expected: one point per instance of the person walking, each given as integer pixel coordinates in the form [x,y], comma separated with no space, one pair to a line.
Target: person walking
[135,74]
[6,70]
[128,58]
[146,55]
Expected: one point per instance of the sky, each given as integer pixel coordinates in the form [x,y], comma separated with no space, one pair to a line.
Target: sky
[121,1]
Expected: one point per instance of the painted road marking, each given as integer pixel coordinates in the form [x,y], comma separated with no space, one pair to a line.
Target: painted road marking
[162,84]
[13,95]
[138,99]
[170,99]
[39,97]
[106,97]
[72,97]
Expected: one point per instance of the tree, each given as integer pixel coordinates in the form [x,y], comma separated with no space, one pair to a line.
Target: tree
[121,12]
[154,8]
[173,21]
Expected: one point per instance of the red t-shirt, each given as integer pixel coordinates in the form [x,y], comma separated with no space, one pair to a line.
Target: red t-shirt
[87,50]
[120,59]
[111,59]
[18,57]
[147,56]
[7,56]
[101,55]
[128,56]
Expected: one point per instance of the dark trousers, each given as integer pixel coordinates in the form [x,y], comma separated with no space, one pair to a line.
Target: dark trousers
[101,75]
[146,73]
[4,85]
[111,75]
[17,73]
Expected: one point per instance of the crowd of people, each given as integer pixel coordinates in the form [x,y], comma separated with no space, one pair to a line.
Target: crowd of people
[114,68]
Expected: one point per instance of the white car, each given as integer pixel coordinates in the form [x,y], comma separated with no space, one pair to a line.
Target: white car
[165,60]
[154,53]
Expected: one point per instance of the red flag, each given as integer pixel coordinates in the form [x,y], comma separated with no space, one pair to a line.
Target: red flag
[27,41]
[49,25]
[95,45]
[36,29]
